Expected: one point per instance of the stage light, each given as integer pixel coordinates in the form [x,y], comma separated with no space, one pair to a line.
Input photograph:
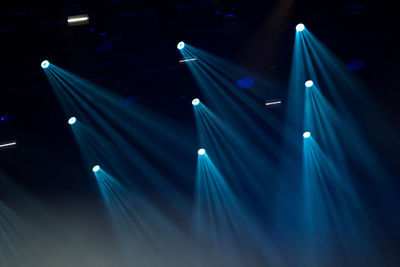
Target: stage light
[309,83]
[96,168]
[8,144]
[306,134]
[273,103]
[45,64]
[201,151]
[78,20]
[195,102]
[187,60]
[181,45]
[72,120]
[300,27]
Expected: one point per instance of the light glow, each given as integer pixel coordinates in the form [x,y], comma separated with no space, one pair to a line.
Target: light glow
[78,19]
[96,168]
[72,120]
[309,83]
[195,102]
[180,45]
[201,151]
[45,64]
[300,27]
[306,134]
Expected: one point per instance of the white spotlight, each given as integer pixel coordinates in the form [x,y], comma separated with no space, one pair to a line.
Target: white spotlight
[201,151]
[96,168]
[300,27]
[72,120]
[195,102]
[306,134]
[309,83]
[180,45]
[45,64]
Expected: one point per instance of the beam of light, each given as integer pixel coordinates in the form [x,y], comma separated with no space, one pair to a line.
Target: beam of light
[306,134]
[78,19]
[72,120]
[195,102]
[187,60]
[45,64]
[180,45]
[201,151]
[273,103]
[300,27]
[309,83]
[8,144]
[96,168]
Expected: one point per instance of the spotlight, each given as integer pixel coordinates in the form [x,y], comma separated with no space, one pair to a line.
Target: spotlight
[96,168]
[10,144]
[45,64]
[181,45]
[306,134]
[309,83]
[72,120]
[300,27]
[201,151]
[195,102]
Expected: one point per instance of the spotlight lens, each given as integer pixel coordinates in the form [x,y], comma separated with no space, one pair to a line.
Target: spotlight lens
[300,27]
[195,102]
[72,120]
[96,168]
[181,45]
[201,151]
[45,64]
[306,134]
[309,83]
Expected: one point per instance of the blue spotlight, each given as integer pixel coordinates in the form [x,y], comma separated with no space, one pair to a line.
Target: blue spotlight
[306,134]
[300,27]
[201,151]
[181,45]
[96,168]
[72,120]
[309,83]
[45,64]
[195,102]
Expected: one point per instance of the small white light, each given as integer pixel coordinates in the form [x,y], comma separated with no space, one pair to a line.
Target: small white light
[45,64]
[309,83]
[201,151]
[306,134]
[78,20]
[195,102]
[8,144]
[273,103]
[300,27]
[72,120]
[187,60]
[96,168]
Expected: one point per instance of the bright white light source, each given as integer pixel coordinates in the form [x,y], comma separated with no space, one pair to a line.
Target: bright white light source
[78,19]
[273,103]
[45,64]
[180,45]
[96,168]
[187,60]
[195,102]
[306,134]
[72,120]
[201,151]
[309,83]
[300,27]
[8,144]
